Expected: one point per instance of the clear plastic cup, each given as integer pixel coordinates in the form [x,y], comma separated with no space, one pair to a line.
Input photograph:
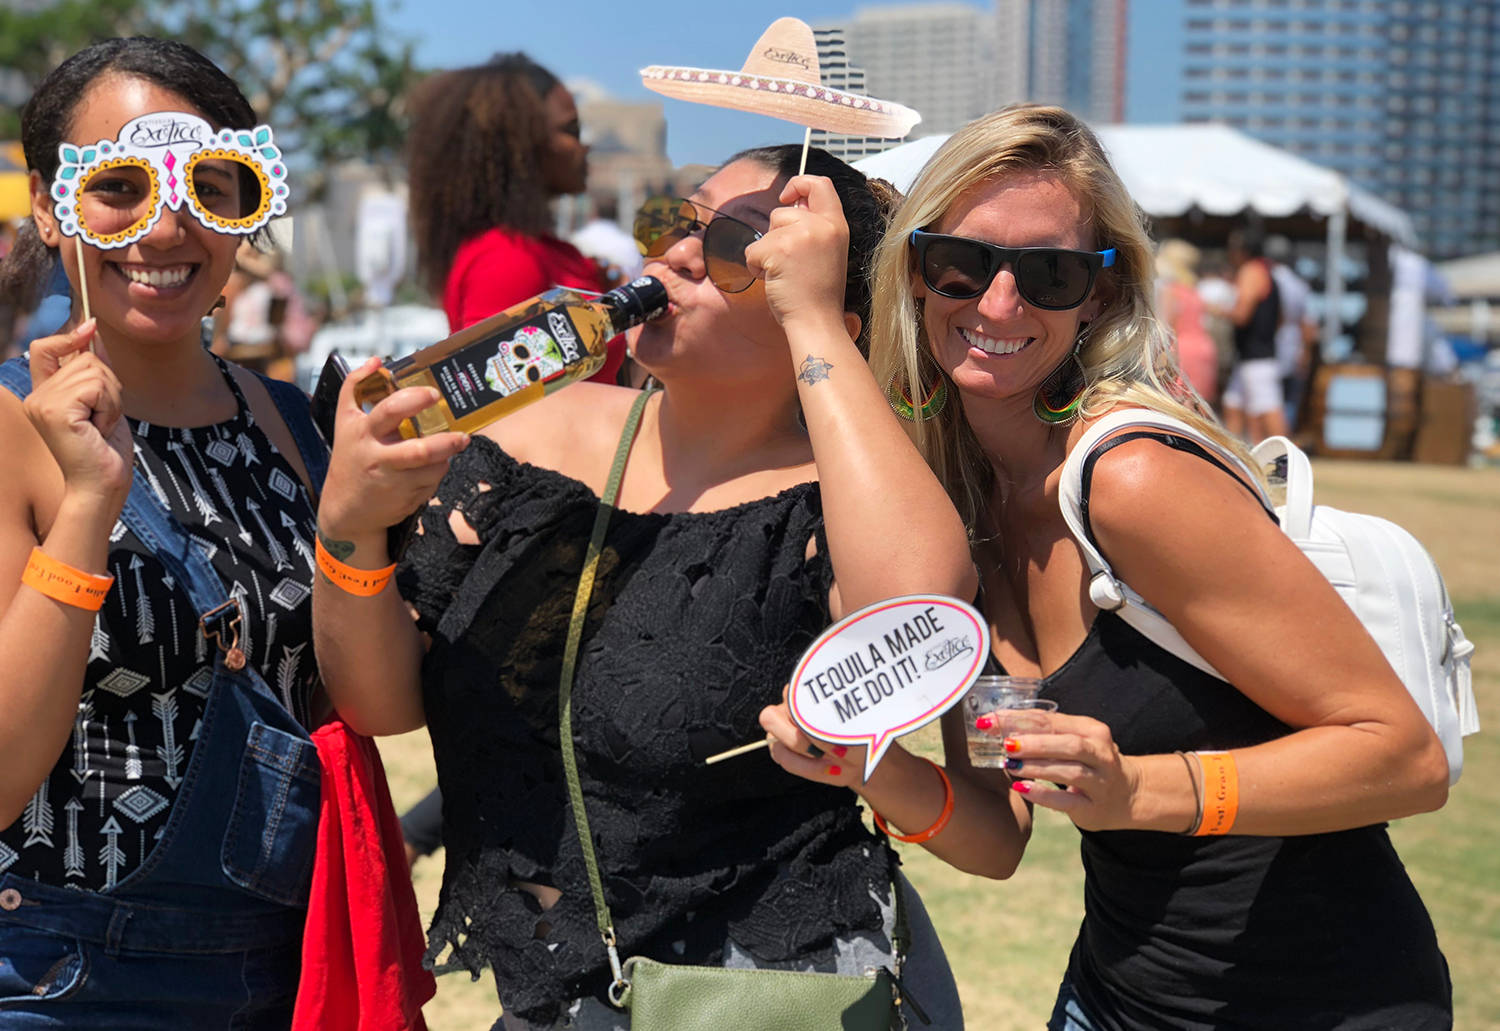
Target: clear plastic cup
[1014,703]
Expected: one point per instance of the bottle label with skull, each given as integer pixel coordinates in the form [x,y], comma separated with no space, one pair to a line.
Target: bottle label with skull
[531,353]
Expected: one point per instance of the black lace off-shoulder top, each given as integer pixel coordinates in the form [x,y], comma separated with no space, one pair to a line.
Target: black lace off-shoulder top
[695,622]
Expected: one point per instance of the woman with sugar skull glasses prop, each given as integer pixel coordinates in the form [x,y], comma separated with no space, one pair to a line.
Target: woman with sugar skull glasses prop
[1246,880]
[161,790]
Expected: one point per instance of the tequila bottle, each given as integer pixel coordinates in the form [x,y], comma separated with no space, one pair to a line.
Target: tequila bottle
[515,357]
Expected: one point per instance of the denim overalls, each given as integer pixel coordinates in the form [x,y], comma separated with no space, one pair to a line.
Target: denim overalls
[207,932]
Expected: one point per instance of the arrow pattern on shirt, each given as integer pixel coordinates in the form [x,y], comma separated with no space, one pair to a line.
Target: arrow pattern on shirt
[145,621]
[37,819]
[130,750]
[164,708]
[73,854]
[110,855]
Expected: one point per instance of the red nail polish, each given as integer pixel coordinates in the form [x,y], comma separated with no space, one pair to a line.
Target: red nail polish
[834,771]
[840,751]
[1020,787]
[984,722]
[1012,745]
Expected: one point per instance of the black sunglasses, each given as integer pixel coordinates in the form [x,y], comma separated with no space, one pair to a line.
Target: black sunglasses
[662,221]
[1046,277]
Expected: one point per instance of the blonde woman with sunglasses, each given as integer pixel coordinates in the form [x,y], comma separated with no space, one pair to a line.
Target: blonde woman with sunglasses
[769,490]
[1237,868]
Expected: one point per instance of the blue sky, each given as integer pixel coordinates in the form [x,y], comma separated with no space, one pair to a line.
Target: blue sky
[609,42]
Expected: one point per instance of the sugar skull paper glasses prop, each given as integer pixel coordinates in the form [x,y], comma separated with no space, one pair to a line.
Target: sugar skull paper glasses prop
[111,193]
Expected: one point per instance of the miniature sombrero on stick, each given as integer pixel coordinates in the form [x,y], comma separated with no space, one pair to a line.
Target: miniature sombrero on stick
[781,79]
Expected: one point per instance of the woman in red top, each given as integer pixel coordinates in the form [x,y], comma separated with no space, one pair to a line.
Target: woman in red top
[490,147]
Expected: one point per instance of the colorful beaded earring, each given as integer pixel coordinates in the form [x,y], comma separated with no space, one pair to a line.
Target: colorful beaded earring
[903,405]
[1056,400]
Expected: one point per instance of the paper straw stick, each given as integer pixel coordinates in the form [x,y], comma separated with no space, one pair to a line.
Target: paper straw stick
[752,746]
[806,142]
[83,283]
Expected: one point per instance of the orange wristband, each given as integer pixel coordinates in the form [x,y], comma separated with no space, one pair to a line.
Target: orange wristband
[363,583]
[938,824]
[1221,793]
[61,582]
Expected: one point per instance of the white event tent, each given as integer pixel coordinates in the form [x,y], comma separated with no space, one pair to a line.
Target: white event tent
[1173,169]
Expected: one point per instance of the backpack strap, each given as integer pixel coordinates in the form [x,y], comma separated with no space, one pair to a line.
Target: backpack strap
[1106,591]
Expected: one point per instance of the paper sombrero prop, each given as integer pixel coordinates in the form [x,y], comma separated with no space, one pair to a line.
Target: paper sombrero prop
[781,79]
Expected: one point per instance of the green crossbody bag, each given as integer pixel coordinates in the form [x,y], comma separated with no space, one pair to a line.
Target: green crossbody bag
[675,997]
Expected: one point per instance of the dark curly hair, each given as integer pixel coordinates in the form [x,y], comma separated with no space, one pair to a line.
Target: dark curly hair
[48,114]
[474,157]
[868,204]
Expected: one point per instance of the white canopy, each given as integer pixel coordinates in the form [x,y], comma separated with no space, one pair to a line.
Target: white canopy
[1170,169]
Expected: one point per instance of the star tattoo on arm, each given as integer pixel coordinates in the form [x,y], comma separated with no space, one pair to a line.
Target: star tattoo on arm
[813,370]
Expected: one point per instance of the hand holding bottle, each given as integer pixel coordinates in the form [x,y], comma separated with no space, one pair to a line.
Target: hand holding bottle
[76,408]
[376,477]
[803,256]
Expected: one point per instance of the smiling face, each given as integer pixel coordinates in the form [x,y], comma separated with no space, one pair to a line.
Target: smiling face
[159,287]
[710,332]
[997,345]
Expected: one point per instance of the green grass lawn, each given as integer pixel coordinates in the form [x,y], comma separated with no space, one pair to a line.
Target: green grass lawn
[1009,941]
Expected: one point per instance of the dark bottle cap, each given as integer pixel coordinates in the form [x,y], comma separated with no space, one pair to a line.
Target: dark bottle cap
[638,301]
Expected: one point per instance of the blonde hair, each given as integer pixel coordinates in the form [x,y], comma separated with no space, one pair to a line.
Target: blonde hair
[1177,260]
[1126,354]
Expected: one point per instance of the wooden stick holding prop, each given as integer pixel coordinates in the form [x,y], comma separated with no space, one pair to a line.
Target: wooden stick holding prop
[884,671]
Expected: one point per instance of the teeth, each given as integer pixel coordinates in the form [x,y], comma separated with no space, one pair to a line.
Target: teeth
[992,345]
[175,276]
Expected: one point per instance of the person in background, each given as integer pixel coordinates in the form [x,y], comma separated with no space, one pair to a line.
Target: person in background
[1292,912]
[602,239]
[1297,335]
[490,147]
[1182,311]
[743,527]
[1252,399]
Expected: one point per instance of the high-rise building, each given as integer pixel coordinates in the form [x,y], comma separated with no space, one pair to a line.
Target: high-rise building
[954,62]
[837,73]
[1402,97]
[1067,52]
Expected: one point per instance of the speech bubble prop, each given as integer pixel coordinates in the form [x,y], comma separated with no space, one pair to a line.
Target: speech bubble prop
[887,670]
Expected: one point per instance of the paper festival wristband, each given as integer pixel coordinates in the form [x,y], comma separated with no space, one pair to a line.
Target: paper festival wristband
[63,583]
[1221,793]
[363,583]
[937,825]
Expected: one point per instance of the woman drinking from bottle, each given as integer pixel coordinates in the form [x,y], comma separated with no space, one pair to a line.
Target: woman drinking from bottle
[769,491]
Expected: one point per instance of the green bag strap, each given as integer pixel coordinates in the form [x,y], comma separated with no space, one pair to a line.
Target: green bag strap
[900,931]
[569,662]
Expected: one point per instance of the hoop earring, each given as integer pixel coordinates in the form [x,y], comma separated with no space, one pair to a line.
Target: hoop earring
[902,404]
[1056,399]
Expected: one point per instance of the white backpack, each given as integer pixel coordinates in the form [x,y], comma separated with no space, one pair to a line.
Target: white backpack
[1379,569]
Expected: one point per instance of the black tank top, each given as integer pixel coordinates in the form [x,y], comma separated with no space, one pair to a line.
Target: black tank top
[1257,338]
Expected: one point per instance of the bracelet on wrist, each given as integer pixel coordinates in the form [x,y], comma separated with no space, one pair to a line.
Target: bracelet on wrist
[937,825]
[362,583]
[1221,793]
[64,583]
[1194,771]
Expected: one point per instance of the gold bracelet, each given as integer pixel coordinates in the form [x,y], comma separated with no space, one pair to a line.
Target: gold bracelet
[64,583]
[363,583]
[1193,773]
